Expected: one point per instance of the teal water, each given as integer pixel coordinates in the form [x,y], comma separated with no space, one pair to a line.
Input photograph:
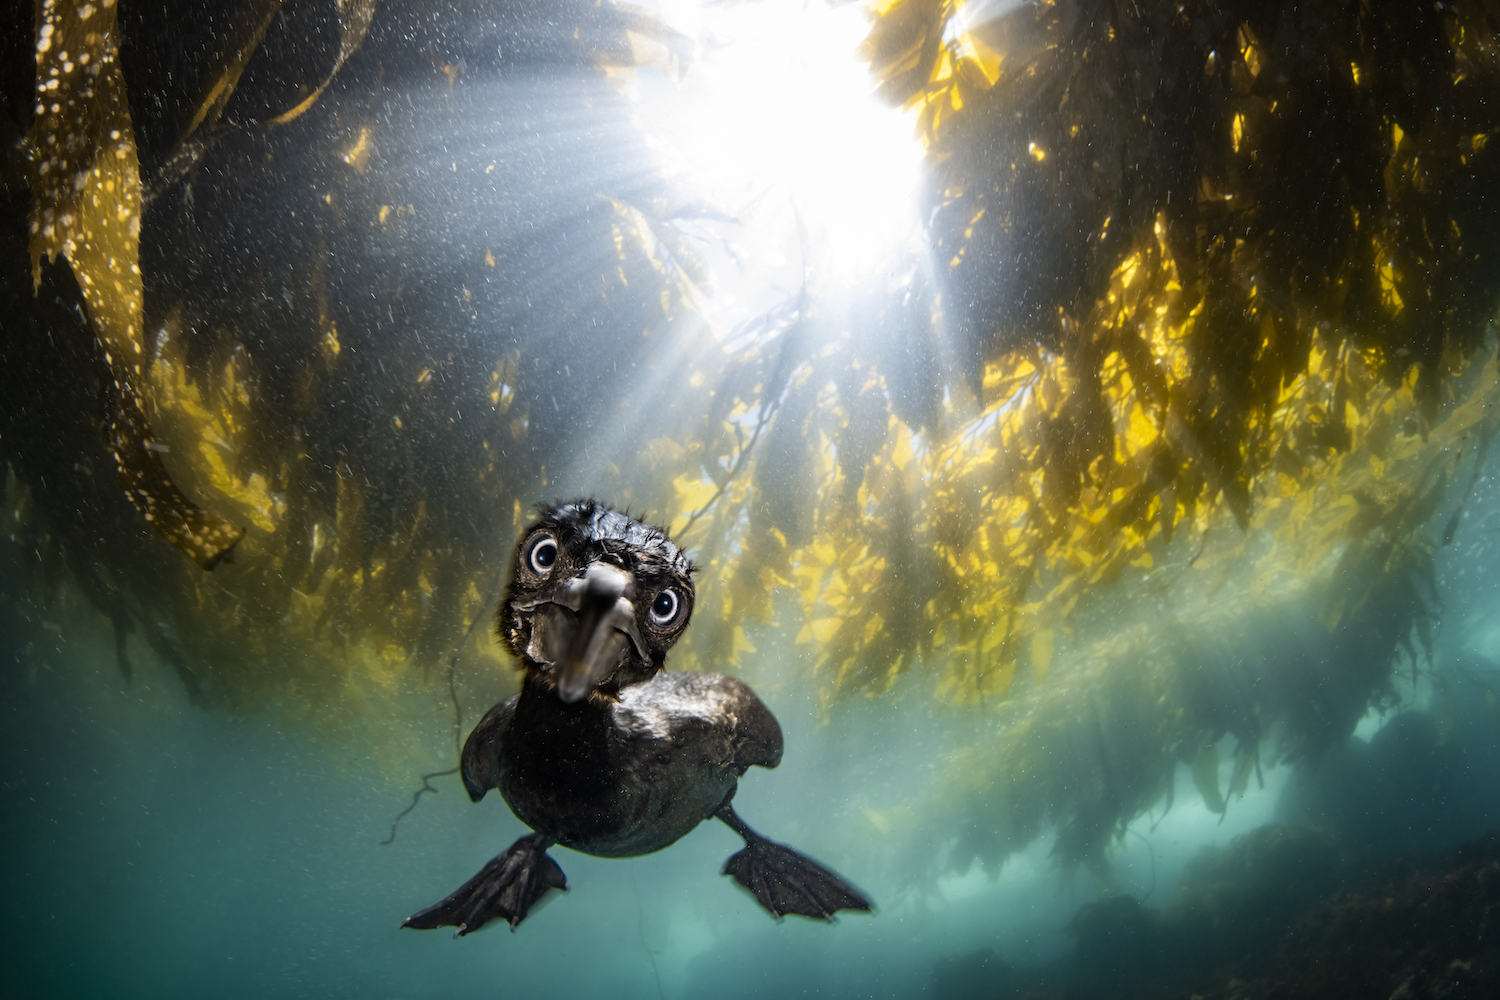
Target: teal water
[155,849]
[152,848]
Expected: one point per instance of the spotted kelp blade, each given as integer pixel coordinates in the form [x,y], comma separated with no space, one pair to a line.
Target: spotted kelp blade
[86,205]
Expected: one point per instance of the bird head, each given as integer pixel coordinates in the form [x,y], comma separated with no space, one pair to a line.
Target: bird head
[596,599]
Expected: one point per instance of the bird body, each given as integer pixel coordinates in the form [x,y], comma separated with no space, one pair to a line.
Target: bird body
[603,751]
[627,776]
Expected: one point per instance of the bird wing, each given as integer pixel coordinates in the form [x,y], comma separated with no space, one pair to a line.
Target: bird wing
[480,764]
[757,734]
[719,715]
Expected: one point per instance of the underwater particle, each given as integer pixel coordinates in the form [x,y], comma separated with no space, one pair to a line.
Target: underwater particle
[603,751]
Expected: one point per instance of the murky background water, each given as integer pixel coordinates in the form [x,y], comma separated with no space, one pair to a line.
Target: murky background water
[155,849]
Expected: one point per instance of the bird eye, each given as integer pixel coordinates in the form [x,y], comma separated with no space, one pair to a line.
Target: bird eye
[544,555]
[666,609]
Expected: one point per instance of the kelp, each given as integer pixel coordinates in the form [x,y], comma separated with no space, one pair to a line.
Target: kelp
[382,534]
[1150,223]
[86,206]
[1233,651]
[1197,348]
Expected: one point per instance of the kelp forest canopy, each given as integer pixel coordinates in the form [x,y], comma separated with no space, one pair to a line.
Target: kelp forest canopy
[306,306]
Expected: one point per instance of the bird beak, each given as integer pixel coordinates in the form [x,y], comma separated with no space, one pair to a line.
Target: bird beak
[606,625]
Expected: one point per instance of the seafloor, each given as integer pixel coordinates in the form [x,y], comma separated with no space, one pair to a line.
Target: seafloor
[1406,931]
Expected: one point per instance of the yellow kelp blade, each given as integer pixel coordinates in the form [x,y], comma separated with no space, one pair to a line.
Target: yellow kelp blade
[248,28]
[86,204]
[354,24]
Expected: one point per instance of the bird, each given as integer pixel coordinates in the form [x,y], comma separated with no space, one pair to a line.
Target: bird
[603,750]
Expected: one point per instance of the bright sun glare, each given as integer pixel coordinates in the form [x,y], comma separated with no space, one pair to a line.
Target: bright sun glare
[776,125]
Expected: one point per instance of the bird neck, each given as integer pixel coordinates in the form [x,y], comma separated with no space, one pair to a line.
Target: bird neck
[561,746]
[538,686]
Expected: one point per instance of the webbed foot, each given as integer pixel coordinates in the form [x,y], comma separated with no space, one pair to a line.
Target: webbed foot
[506,888]
[784,881]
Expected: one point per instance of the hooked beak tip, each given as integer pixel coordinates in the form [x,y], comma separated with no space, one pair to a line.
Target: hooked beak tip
[605,629]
